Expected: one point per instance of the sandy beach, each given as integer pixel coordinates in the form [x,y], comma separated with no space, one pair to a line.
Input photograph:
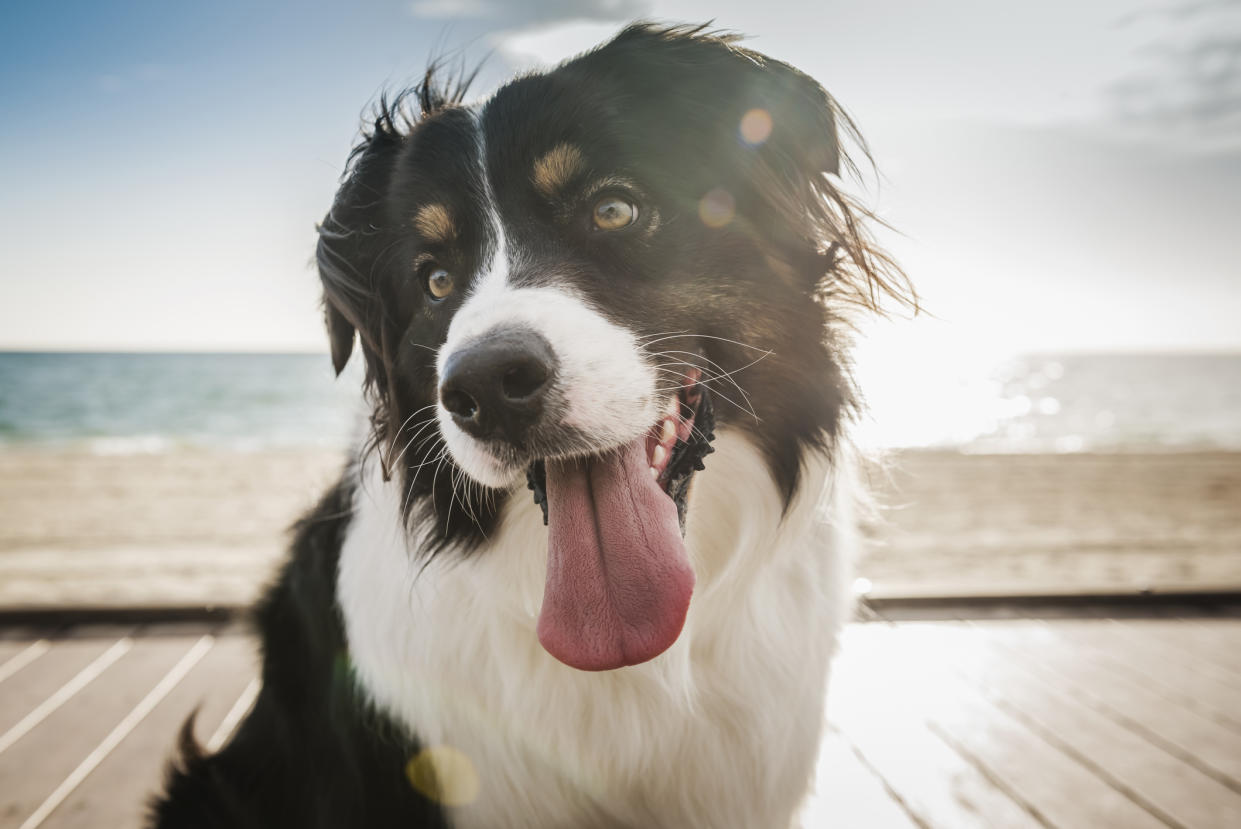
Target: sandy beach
[964,524]
[207,528]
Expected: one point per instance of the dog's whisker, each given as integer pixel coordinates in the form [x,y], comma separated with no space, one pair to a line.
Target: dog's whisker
[711,376]
[687,359]
[707,381]
[707,337]
[435,491]
[420,429]
[717,393]
[414,478]
[466,499]
[727,374]
[416,413]
[397,432]
[648,338]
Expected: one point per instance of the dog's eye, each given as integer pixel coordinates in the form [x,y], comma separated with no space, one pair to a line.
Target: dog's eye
[614,213]
[439,283]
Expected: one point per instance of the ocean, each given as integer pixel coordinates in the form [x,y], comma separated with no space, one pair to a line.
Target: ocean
[118,403]
[125,403]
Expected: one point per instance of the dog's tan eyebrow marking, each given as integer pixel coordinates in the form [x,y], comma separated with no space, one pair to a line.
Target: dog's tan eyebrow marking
[435,223]
[553,170]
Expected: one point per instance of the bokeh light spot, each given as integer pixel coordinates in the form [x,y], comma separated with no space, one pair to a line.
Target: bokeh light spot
[755,127]
[444,775]
[717,208]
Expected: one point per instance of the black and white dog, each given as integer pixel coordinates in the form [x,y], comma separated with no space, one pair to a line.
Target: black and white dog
[616,287]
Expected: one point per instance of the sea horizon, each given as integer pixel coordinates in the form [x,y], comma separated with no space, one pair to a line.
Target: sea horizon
[147,401]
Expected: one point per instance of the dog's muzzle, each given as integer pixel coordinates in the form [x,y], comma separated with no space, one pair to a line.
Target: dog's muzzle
[496,388]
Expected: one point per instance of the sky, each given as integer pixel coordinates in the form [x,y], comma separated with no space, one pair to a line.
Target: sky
[1059,175]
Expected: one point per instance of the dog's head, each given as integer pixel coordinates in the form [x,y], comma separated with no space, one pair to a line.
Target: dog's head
[572,283]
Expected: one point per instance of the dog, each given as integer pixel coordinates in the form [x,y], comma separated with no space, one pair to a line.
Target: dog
[588,567]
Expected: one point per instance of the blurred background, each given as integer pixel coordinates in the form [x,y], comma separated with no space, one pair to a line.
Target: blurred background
[1063,181]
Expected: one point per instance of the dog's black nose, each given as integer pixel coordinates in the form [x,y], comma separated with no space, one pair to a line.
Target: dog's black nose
[495,387]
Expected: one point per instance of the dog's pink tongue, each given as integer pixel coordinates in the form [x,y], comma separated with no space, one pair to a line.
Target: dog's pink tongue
[618,580]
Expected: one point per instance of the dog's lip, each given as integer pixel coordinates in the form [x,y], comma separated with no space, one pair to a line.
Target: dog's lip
[690,443]
[675,426]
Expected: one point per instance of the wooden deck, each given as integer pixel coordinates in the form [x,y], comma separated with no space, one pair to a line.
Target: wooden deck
[1065,723]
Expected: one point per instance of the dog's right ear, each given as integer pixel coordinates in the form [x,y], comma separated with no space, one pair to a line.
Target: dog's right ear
[354,232]
[340,336]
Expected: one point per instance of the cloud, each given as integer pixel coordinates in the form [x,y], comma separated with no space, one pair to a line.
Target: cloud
[1187,85]
[1185,11]
[452,8]
[544,45]
[529,13]
[539,32]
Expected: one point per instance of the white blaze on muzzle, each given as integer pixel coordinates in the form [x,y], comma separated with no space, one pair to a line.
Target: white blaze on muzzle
[604,388]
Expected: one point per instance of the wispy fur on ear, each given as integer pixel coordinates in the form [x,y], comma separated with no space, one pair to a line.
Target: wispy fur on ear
[798,169]
[357,231]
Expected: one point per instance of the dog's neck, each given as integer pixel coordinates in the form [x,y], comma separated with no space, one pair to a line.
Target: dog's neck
[720,730]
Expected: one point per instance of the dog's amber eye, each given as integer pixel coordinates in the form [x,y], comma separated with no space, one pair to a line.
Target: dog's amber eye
[614,213]
[439,283]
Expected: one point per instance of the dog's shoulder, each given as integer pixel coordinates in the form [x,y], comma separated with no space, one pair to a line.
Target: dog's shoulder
[312,752]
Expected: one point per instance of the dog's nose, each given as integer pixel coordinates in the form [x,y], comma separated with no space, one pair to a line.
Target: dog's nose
[496,386]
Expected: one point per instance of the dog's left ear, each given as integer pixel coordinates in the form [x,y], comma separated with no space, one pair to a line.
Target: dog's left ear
[789,114]
[729,95]
[764,131]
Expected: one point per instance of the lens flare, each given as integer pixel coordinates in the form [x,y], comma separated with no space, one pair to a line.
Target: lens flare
[717,208]
[444,775]
[755,127]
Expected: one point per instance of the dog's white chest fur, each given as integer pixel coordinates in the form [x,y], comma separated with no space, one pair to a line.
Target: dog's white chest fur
[721,730]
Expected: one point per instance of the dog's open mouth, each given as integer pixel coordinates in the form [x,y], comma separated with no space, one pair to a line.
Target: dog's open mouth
[618,577]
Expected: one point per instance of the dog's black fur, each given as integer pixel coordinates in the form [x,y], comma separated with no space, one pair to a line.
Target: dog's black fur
[661,105]
[311,753]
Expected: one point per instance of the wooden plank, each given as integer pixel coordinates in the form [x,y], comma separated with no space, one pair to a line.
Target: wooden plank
[1129,762]
[21,655]
[1056,785]
[1218,640]
[1180,731]
[1173,645]
[43,677]
[44,758]
[117,792]
[10,647]
[848,795]
[119,732]
[65,693]
[1107,647]
[231,721]
[875,704]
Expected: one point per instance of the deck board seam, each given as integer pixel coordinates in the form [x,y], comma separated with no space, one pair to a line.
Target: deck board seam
[888,788]
[233,718]
[1198,662]
[989,774]
[1101,706]
[128,723]
[1047,735]
[66,692]
[23,658]
[1158,687]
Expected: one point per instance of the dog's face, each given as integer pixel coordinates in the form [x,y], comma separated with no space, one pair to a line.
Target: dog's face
[573,282]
